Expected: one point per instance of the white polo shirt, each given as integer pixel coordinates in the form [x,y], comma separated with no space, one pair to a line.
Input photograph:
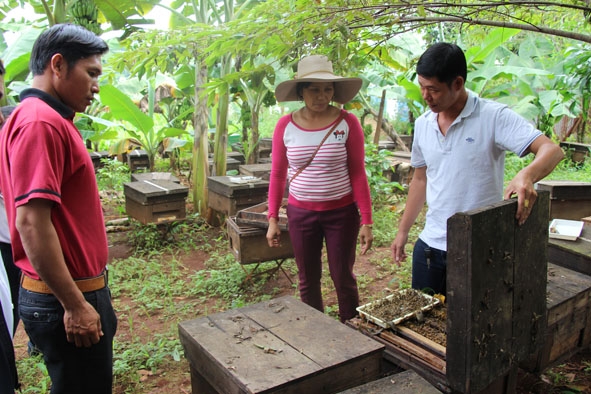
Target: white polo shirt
[465,167]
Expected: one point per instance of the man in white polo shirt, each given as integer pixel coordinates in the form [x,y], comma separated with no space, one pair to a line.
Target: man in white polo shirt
[458,153]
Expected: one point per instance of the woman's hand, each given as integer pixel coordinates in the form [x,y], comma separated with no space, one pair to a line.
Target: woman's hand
[365,238]
[273,234]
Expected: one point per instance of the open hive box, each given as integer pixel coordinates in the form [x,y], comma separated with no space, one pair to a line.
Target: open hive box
[256,216]
[495,312]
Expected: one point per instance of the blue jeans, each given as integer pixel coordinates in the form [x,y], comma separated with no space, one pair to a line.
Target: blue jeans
[429,268]
[72,370]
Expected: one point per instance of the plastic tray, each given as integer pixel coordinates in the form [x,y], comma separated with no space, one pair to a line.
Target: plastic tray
[389,324]
[565,229]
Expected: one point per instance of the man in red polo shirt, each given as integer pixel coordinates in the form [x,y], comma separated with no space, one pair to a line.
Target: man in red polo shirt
[55,217]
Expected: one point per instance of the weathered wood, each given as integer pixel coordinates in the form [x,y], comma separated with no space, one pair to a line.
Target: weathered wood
[256,216]
[421,340]
[496,275]
[154,176]
[435,361]
[262,171]
[575,255]
[278,346]
[568,318]
[249,244]
[568,199]
[228,197]
[406,382]
[156,201]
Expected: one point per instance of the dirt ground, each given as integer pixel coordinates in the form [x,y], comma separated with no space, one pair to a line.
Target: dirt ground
[573,376]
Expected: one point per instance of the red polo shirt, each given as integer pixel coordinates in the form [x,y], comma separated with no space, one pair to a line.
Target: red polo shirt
[42,155]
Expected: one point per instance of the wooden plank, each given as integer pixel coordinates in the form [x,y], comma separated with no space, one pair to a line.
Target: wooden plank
[406,382]
[530,281]
[279,346]
[433,360]
[566,190]
[488,321]
[421,340]
[149,192]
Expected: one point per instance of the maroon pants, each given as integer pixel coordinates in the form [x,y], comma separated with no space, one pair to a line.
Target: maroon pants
[308,230]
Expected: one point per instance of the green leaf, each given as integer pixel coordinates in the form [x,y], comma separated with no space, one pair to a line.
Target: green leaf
[123,108]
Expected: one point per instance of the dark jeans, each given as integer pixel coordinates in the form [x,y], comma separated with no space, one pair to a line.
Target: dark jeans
[429,268]
[72,370]
[308,230]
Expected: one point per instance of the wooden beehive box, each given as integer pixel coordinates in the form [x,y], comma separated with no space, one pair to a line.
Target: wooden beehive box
[256,216]
[568,317]
[231,165]
[96,158]
[229,197]
[575,255]
[155,201]
[262,171]
[138,159]
[236,156]
[496,302]
[154,176]
[249,244]
[568,200]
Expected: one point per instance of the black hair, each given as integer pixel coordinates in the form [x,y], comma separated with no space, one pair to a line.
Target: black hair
[2,69]
[300,86]
[73,42]
[443,61]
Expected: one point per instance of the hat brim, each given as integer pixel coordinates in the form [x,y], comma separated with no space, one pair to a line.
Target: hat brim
[344,88]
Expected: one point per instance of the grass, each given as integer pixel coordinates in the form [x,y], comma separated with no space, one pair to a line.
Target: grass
[154,285]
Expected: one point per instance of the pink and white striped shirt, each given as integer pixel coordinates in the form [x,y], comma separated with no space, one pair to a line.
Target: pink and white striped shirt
[336,176]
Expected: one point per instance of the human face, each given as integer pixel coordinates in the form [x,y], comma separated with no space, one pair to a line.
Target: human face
[439,96]
[318,95]
[78,85]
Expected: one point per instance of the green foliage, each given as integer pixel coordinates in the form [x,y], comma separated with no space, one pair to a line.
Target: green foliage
[377,163]
[565,170]
[112,175]
[33,375]
[133,359]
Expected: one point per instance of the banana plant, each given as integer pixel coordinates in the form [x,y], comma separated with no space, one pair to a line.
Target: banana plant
[138,126]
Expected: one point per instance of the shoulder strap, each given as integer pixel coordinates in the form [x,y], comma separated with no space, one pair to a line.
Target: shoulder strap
[302,168]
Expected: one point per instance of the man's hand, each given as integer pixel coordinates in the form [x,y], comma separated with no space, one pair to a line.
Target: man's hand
[83,326]
[397,247]
[522,187]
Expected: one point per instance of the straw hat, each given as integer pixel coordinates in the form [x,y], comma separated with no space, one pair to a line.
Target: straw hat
[318,68]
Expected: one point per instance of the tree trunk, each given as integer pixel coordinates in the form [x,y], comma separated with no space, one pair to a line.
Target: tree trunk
[200,145]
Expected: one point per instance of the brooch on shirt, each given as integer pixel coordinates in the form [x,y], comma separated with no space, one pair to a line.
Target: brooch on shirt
[339,135]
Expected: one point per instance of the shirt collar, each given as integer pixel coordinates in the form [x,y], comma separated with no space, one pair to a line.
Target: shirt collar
[65,111]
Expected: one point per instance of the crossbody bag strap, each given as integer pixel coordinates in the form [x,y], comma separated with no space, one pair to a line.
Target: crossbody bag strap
[302,168]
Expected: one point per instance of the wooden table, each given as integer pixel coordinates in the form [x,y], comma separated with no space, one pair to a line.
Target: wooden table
[277,346]
[575,255]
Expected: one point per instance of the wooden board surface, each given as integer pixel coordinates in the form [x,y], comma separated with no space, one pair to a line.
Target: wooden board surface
[280,345]
[224,186]
[146,192]
[406,382]
[496,284]
[566,190]
[575,255]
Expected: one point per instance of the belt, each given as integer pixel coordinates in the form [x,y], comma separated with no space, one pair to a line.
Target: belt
[85,285]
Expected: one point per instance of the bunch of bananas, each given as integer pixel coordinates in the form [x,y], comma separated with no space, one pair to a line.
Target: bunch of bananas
[85,14]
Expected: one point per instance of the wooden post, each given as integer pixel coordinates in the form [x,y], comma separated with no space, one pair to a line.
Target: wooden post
[376,137]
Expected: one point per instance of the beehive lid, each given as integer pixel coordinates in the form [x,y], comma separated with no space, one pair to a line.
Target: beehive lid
[237,185]
[144,191]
